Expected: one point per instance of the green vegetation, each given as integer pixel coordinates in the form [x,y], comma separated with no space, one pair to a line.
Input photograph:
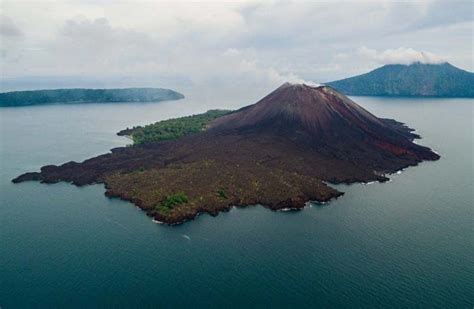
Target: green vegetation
[172,128]
[222,193]
[172,200]
[431,80]
[38,97]
[175,199]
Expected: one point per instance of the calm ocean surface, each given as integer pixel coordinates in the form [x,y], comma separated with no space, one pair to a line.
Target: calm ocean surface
[406,243]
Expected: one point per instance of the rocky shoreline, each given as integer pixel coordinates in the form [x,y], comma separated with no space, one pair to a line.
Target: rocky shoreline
[279,153]
[293,204]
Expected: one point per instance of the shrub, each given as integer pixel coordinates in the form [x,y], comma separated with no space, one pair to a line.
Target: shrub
[175,199]
[221,192]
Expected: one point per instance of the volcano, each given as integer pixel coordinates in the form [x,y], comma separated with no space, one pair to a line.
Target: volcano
[279,152]
[329,122]
[413,80]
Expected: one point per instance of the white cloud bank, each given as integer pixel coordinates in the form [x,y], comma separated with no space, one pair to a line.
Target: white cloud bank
[400,55]
[235,44]
[8,27]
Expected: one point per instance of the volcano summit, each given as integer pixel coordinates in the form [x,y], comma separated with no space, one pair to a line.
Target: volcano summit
[279,153]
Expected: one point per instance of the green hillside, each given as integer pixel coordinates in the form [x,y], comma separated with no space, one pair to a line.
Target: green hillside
[38,97]
[424,80]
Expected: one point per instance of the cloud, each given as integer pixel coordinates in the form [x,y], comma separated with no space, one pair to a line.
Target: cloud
[11,37]
[248,66]
[8,28]
[401,55]
[441,13]
[246,44]
[93,47]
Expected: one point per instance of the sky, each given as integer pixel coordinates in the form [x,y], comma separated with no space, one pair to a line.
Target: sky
[47,44]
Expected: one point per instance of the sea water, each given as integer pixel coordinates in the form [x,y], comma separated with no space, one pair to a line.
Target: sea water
[405,243]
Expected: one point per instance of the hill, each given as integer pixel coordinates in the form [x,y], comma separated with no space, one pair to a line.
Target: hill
[38,97]
[417,80]
[278,152]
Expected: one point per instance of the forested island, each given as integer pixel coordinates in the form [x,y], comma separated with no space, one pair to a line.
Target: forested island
[77,95]
[279,152]
[414,80]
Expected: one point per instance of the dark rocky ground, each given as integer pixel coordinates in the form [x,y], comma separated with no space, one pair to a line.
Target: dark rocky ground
[279,152]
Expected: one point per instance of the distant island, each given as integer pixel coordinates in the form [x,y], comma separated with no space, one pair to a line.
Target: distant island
[39,97]
[414,80]
[280,152]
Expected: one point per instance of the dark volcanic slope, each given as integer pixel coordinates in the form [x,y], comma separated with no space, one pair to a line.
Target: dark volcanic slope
[328,122]
[276,152]
[432,80]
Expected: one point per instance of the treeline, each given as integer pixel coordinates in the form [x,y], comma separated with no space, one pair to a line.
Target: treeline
[172,128]
[37,97]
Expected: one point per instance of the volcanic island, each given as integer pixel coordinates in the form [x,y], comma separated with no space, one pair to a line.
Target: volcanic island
[281,153]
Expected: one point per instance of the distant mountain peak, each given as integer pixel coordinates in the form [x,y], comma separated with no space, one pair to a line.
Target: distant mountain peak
[416,79]
[418,63]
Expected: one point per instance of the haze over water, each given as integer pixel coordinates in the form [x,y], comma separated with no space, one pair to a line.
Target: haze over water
[406,243]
